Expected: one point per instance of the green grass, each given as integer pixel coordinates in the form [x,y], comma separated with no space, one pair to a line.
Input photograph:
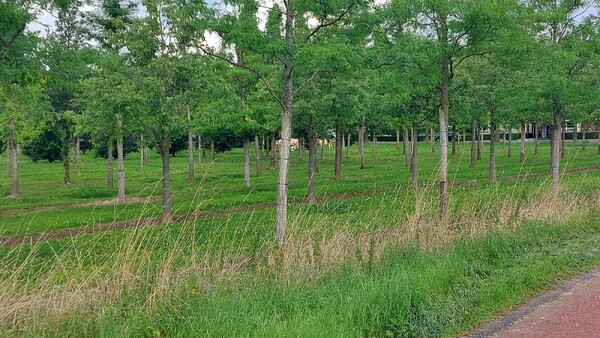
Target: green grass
[371,260]
[47,204]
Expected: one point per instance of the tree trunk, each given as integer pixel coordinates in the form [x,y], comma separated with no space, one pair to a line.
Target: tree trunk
[312,161]
[405,149]
[199,150]
[453,140]
[141,148]
[522,145]
[67,179]
[120,159]
[536,140]
[339,143]
[258,151]
[77,155]
[212,150]
[361,142]
[414,168]
[273,148]
[583,139]
[427,135]
[9,156]
[509,141]
[555,154]
[109,172]
[562,142]
[166,177]
[190,149]
[464,138]
[286,132]
[12,152]
[397,138]
[374,145]
[473,144]
[479,143]
[246,162]
[348,146]
[493,131]
[444,108]
[574,134]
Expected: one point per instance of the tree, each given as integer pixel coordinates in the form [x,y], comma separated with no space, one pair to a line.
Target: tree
[458,31]
[286,43]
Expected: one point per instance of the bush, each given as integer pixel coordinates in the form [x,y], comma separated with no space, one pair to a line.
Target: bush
[48,145]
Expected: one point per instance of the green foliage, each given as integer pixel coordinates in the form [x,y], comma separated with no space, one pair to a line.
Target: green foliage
[48,145]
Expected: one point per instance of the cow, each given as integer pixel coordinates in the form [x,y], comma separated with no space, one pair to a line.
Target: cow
[324,142]
[293,144]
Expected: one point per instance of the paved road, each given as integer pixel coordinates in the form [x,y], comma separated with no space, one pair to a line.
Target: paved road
[570,310]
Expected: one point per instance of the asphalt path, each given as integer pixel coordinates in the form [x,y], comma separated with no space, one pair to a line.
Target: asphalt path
[571,309]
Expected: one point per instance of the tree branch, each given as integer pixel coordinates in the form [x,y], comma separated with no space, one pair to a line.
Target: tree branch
[306,82]
[250,69]
[324,24]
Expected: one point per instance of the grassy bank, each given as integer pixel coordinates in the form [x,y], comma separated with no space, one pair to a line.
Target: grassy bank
[376,266]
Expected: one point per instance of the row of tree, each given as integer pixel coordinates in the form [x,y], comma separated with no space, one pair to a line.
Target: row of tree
[162,71]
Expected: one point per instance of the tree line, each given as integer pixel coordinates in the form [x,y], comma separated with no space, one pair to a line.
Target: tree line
[129,76]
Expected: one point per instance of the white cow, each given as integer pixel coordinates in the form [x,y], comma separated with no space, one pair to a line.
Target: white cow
[293,144]
[324,142]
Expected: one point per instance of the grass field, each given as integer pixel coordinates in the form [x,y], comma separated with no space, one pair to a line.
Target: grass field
[369,259]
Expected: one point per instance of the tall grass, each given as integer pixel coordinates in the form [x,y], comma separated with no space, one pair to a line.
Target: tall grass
[374,266]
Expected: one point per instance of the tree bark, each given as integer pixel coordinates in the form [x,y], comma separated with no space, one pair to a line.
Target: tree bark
[493,131]
[562,142]
[522,145]
[77,155]
[12,152]
[574,134]
[286,130]
[348,146]
[453,139]
[109,172]
[444,108]
[405,150]
[397,138]
[414,168]
[258,151]
[190,149]
[312,161]
[473,144]
[199,150]
[479,143]
[555,154]
[141,148]
[166,177]
[339,143]
[212,150]
[374,145]
[464,138]
[120,160]
[246,162]
[9,156]
[361,142]
[583,139]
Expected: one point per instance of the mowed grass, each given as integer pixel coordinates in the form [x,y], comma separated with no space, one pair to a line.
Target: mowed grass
[47,204]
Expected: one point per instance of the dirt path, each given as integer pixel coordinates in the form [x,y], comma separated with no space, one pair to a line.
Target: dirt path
[570,310]
[151,221]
